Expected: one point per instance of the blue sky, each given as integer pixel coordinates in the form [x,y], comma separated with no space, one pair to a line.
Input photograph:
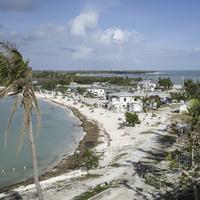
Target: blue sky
[104,34]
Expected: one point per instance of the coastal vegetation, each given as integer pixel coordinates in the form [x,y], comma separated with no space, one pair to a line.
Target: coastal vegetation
[191,90]
[89,160]
[179,96]
[132,118]
[182,163]
[49,80]
[93,191]
[16,76]
[165,83]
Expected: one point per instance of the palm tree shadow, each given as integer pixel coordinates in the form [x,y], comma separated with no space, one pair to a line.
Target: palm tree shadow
[153,154]
[137,190]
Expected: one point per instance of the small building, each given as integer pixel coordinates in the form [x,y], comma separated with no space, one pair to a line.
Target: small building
[136,106]
[146,85]
[123,102]
[72,87]
[97,92]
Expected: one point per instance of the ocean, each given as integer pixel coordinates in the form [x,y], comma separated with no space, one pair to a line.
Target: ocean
[60,133]
[177,76]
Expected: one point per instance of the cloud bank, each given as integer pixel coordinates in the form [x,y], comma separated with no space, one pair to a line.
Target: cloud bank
[82,43]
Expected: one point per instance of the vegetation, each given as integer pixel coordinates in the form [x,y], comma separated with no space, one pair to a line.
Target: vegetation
[190,149]
[16,75]
[81,91]
[192,89]
[89,176]
[185,159]
[89,160]
[151,102]
[106,72]
[48,79]
[194,110]
[181,168]
[132,118]
[89,94]
[92,192]
[165,83]
[179,96]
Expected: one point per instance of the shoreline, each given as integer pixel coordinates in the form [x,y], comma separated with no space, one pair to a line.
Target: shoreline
[68,161]
[119,149]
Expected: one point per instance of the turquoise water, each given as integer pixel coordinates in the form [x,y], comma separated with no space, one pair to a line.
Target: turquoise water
[59,133]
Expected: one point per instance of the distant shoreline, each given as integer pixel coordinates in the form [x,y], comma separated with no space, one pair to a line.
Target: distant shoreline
[102,71]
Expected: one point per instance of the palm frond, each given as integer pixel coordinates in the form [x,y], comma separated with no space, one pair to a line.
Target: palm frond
[27,105]
[22,131]
[17,78]
[12,65]
[16,87]
[37,110]
[14,108]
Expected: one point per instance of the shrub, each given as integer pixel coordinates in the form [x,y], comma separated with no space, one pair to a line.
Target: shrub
[89,160]
[132,118]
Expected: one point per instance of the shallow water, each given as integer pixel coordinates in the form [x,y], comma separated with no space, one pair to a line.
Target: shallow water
[60,133]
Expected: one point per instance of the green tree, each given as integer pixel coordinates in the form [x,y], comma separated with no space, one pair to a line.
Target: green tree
[179,96]
[81,90]
[16,76]
[194,109]
[132,118]
[192,89]
[165,83]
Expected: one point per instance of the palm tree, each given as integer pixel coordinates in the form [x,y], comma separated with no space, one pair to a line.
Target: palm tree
[16,76]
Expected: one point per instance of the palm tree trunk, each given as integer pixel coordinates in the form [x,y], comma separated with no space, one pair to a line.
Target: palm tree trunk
[34,160]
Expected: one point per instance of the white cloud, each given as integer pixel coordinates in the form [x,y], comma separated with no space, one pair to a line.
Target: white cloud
[81,23]
[78,42]
[116,36]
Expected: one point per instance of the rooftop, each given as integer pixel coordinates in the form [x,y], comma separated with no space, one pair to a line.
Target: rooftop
[122,94]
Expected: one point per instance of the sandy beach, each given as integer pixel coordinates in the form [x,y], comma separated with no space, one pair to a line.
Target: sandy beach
[118,149]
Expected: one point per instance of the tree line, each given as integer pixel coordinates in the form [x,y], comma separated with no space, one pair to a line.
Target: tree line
[48,79]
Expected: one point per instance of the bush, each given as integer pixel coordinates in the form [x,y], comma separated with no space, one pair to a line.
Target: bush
[132,118]
[92,192]
[89,160]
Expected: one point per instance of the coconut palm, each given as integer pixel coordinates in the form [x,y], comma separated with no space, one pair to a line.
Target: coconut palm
[16,76]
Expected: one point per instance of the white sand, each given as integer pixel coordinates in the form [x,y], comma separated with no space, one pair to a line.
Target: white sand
[118,146]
